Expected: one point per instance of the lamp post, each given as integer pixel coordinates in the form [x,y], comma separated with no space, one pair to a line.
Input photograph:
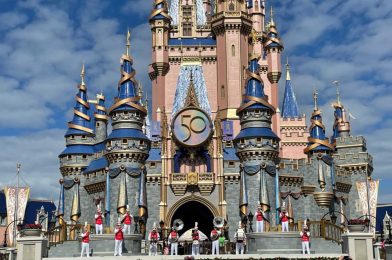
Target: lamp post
[19,224]
[250,218]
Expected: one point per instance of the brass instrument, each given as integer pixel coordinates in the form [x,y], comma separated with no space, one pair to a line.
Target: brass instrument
[218,222]
[178,225]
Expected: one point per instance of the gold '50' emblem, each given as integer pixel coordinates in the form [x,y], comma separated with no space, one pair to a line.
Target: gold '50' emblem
[191,127]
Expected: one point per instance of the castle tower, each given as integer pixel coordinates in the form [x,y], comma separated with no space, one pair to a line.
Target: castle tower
[127,147]
[273,47]
[341,126]
[257,146]
[231,26]
[293,129]
[101,119]
[78,153]
[160,25]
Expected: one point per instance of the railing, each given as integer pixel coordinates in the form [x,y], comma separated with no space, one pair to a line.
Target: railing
[185,248]
[67,232]
[326,230]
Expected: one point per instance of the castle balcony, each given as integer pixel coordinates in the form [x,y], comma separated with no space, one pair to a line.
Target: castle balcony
[193,181]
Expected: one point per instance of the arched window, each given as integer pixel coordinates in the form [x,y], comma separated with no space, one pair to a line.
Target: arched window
[257,5]
[233,50]
[223,92]
[231,6]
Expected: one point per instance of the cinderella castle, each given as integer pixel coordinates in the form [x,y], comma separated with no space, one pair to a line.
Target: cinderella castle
[219,141]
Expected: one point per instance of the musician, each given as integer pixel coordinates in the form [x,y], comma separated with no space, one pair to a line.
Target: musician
[99,221]
[259,219]
[240,239]
[127,220]
[196,240]
[305,238]
[153,237]
[215,240]
[284,219]
[173,240]
[118,239]
[85,242]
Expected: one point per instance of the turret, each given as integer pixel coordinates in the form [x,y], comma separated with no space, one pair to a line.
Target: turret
[127,147]
[256,8]
[79,136]
[160,22]
[101,119]
[231,26]
[341,126]
[318,142]
[290,107]
[257,146]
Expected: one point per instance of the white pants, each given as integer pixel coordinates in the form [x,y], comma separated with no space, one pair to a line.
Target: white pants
[305,247]
[98,229]
[118,247]
[127,229]
[174,249]
[195,249]
[285,226]
[260,226]
[85,249]
[239,248]
[215,247]
[153,249]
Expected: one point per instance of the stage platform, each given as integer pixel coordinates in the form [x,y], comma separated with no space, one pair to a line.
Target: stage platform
[208,257]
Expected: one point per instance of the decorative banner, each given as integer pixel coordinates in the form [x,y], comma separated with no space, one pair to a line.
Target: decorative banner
[372,191]
[227,127]
[23,197]
[155,128]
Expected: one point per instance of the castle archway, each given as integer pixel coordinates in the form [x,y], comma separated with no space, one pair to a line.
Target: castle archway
[193,209]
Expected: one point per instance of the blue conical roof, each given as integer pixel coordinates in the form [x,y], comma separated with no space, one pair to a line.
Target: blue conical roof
[81,123]
[254,96]
[318,142]
[290,106]
[160,10]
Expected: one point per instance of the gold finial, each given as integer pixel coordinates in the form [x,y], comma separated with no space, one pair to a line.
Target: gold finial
[288,69]
[272,23]
[128,42]
[336,83]
[140,88]
[82,75]
[315,99]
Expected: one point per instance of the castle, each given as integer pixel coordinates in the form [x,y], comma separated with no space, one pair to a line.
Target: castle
[219,143]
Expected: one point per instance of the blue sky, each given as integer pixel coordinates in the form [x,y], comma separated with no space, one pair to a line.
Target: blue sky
[44,43]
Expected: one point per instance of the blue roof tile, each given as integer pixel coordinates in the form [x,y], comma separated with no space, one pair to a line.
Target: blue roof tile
[155,154]
[96,165]
[78,149]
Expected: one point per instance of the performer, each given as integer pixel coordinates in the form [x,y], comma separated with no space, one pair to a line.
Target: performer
[215,240]
[127,220]
[240,239]
[99,221]
[118,239]
[153,237]
[259,219]
[173,240]
[284,218]
[85,242]
[196,240]
[305,237]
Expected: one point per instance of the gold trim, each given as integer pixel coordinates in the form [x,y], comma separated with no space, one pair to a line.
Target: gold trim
[81,101]
[82,115]
[128,101]
[82,128]
[103,117]
[255,100]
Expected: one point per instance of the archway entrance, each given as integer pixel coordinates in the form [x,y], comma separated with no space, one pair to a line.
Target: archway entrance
[194,211]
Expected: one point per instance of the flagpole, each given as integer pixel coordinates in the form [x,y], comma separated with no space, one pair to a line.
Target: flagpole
[18,165]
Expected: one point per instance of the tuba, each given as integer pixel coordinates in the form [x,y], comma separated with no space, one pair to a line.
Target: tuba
[218,222]
[178,225]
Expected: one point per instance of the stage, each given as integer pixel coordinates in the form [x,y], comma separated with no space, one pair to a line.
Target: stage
[222,257]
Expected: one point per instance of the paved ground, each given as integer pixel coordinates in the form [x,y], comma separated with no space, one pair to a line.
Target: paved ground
[206,257]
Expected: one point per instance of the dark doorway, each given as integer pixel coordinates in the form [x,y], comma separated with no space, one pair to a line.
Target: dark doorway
[192,212]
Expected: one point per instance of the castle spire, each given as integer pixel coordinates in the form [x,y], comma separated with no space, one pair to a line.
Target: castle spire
[81,122]
[160,11]
[272,22]
[317,140]
[127,98]
[341,126]
[290,105]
